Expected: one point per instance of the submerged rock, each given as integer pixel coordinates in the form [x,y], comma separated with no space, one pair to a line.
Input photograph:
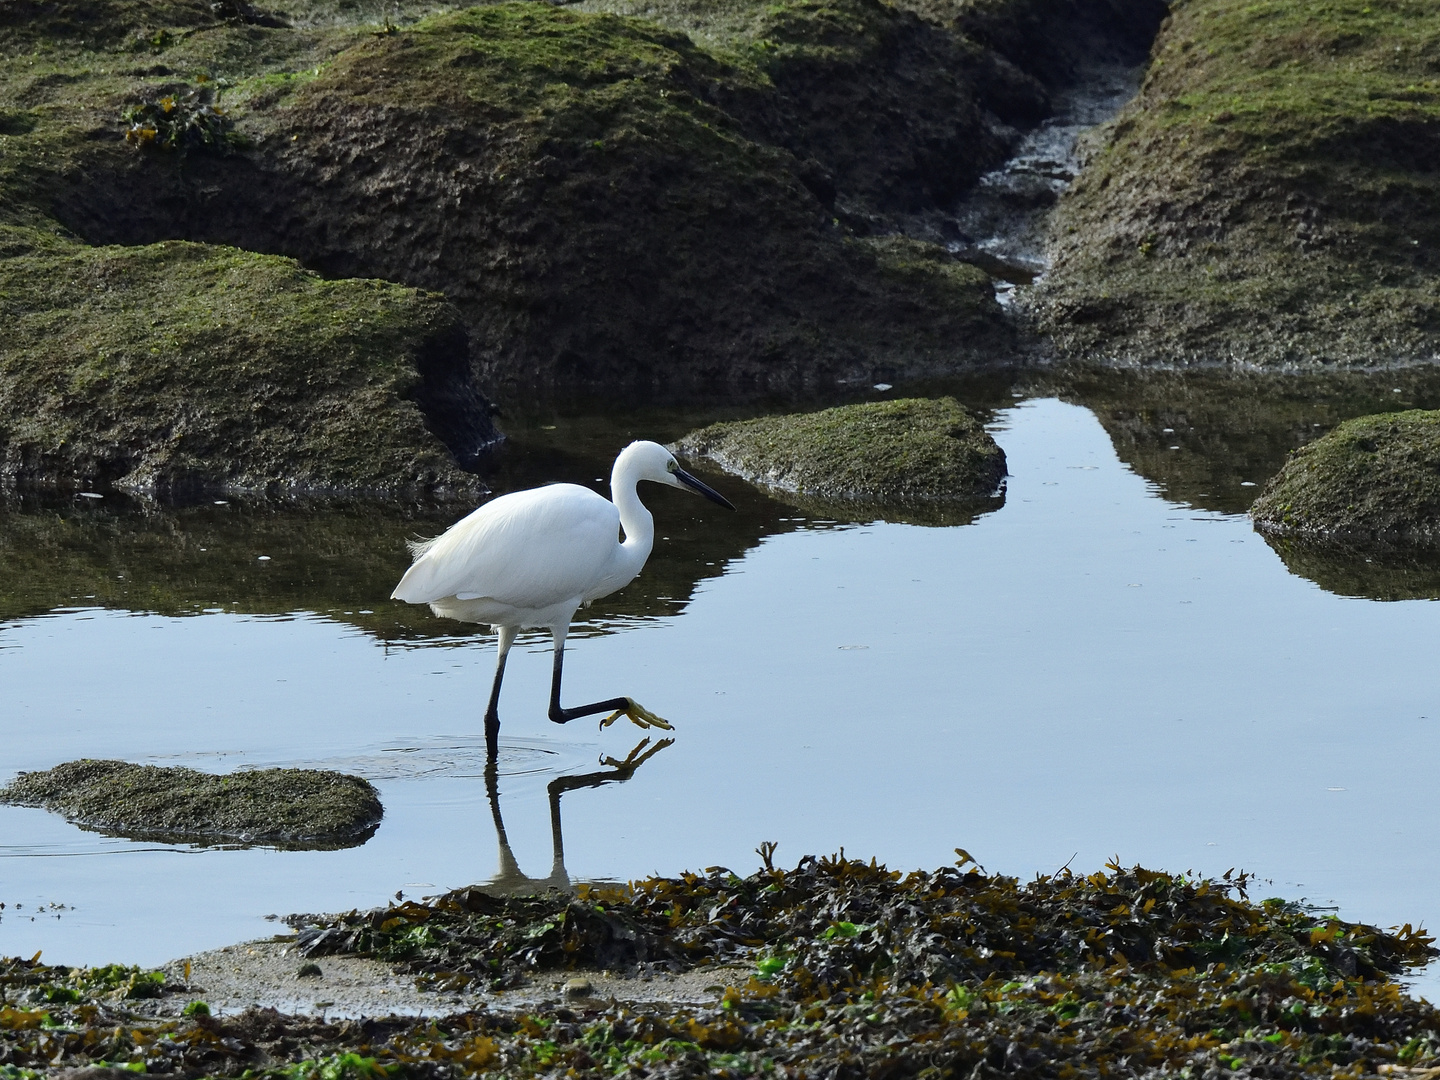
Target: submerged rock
[1267,199]
[911,450]
[1374,479]
[291,808]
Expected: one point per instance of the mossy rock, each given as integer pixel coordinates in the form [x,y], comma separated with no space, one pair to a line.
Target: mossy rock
[172,369]
[290,808]
[177,368]
[1372,479]
[596,195]
[910,451]
[1271,197]
[613,207]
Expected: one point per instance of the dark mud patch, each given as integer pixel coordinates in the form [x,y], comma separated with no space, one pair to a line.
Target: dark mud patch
[288,808]
[926,453]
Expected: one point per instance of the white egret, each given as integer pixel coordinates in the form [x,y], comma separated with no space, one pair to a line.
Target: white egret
[533,558]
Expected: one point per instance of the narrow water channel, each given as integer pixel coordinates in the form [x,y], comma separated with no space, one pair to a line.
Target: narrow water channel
[1093,670]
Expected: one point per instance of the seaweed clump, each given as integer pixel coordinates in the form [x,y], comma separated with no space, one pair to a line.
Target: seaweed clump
[913,450]
[1374,479]
[180,124]
[858,971]
[293,808]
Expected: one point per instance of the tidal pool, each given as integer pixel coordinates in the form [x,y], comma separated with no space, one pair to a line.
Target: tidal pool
[1093,670]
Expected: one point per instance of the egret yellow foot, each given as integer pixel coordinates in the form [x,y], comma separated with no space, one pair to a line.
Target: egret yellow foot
[639,716]
[635,758]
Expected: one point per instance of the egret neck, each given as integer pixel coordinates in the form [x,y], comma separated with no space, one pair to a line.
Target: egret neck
[636,521]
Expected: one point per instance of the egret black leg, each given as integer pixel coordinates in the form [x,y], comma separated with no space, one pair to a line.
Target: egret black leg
[564,716]
[616,707]
[505,639]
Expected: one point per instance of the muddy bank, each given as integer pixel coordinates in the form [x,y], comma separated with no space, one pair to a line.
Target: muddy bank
[837,967]
[297,809]
[611,205]
[1270,197]
[867,459]
[275,974]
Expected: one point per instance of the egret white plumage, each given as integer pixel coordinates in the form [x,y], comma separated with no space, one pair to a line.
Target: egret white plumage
[533,558]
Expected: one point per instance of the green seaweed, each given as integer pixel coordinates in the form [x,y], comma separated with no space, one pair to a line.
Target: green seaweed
[951,972]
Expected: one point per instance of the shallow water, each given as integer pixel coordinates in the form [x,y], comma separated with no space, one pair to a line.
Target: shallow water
[1092,670]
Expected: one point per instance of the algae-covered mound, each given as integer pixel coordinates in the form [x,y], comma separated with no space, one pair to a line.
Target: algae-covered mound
[176,368]
[614,206]
[1372,479]
[294,808]
[1270,197]
[584,187]
[911,449]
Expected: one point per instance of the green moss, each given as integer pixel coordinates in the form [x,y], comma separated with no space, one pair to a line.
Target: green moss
[1373,478]
[910,449]
[176,367]
[1272,195]
[623,223]
[295,808]
[27,25]
[170,368]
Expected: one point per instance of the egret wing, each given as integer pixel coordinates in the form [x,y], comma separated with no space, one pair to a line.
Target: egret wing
[529,549]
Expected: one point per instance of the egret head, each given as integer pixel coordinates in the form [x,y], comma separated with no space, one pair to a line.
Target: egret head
[650,461]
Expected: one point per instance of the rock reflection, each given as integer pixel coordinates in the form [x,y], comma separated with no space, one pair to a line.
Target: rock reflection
[1212,438]
[510,880]
[1370,574]
[339,560]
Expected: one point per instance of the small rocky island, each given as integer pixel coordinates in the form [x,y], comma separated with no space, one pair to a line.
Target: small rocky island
[908,450]
[1374,480]
[288,808]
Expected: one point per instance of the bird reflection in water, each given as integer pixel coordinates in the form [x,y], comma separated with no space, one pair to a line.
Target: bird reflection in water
[511,880]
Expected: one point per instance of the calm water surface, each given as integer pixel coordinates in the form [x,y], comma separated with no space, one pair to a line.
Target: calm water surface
[1091,671]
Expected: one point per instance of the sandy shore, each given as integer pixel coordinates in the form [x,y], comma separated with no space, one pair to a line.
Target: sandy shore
[266,974]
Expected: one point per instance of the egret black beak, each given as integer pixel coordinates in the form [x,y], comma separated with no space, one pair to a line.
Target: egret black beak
[703,488]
